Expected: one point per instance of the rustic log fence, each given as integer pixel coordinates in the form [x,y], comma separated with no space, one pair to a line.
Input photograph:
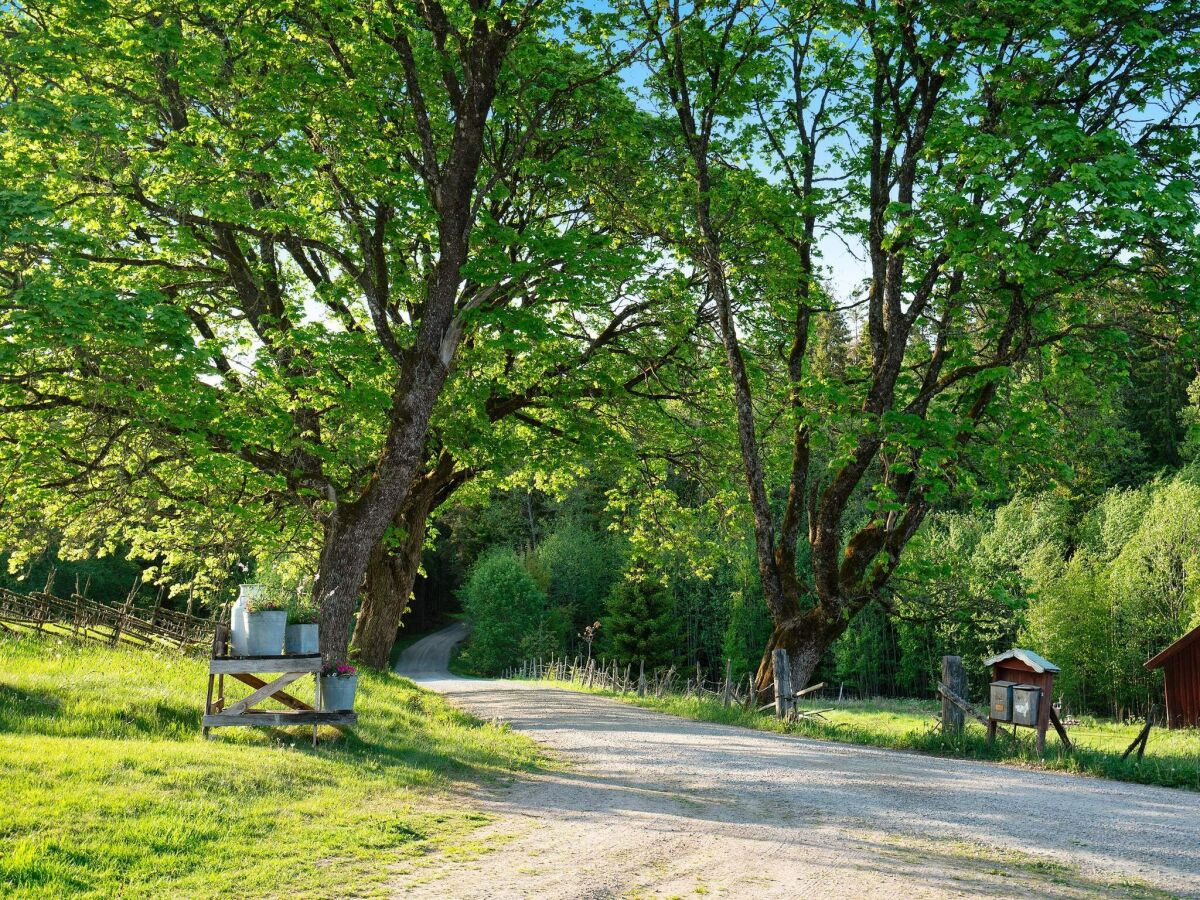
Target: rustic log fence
[82,618]
[609,675]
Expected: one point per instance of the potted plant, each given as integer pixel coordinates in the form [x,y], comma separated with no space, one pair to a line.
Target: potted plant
[338,684]
[301,634]
[266,620]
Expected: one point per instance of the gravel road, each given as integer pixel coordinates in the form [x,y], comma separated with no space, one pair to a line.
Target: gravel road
[650,805]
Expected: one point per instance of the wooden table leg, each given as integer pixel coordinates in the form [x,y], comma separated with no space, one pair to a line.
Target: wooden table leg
[316,702]
[208,703]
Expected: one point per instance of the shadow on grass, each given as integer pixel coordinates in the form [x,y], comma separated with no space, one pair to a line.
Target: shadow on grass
[402,728]
[64,713]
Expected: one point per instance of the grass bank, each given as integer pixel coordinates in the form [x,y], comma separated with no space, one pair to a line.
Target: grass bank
[109,789]
[1172,757]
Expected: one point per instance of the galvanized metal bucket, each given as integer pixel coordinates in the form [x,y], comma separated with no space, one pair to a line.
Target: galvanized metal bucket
[301,639]
[337,691]
[237,617]
[264,632]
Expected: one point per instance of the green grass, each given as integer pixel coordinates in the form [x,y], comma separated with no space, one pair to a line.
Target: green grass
[109,790]
[1172,757]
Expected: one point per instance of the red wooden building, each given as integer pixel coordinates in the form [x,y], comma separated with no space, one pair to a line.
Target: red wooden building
[1181,675]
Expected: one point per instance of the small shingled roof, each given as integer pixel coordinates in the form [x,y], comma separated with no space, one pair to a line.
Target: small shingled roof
[1031,659]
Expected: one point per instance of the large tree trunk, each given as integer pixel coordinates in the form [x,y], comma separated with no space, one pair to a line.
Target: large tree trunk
[353,529]
[390,578]
[806,638]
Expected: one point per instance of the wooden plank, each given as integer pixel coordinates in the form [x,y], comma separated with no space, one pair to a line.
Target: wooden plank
[1140,741]
[783,682]
[964,706]
[285,699]
[258,718]
[249,665]
[1058,726]
[263,692]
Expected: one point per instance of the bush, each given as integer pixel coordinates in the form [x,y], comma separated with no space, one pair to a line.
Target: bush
[747,633]
[507,611]
[580,568]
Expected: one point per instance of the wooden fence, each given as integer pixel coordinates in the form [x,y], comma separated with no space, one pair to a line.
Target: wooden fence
[608,675]
[86,619]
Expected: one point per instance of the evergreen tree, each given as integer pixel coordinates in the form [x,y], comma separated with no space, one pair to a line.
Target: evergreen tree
[640,624]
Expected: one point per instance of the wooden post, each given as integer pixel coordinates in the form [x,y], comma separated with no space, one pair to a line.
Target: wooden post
[728,683]
[954,676]
[783,682]
[1043,723]
[1140,741]
[1058,726]
[641,688]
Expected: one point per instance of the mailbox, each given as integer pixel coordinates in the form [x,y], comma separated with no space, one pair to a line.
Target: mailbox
[1002,701]
[1026,700]
[1022,691]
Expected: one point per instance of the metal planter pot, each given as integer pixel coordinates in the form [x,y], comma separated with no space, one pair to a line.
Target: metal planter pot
[301,639]
[264,632]
[337,692]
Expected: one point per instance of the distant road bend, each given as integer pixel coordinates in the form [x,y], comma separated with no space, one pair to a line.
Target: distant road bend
[650,805]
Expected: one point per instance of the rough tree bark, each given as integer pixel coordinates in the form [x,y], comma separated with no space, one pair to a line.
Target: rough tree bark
[392,572]
[354,528]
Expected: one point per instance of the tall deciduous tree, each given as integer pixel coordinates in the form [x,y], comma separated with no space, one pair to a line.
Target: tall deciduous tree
[999,165]
[267,234]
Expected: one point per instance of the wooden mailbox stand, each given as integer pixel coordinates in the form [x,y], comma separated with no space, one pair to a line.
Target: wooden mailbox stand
[1026,667]
[286,669]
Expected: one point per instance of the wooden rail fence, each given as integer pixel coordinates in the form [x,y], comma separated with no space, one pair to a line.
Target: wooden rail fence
[610,676]
[85,619]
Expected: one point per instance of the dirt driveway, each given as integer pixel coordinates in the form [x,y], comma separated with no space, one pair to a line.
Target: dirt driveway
[650,805]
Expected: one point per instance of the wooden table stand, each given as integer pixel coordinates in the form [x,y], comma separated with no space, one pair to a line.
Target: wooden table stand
[286,669]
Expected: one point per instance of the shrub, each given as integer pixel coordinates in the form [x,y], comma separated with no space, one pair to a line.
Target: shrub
[506,608]
[303,613]
[747,633]
[580,568]
[268,602]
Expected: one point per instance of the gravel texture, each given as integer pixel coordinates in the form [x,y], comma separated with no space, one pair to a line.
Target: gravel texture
[650,805]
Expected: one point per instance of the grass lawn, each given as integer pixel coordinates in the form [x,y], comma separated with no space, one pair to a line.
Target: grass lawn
[1172,757]
[109,790]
